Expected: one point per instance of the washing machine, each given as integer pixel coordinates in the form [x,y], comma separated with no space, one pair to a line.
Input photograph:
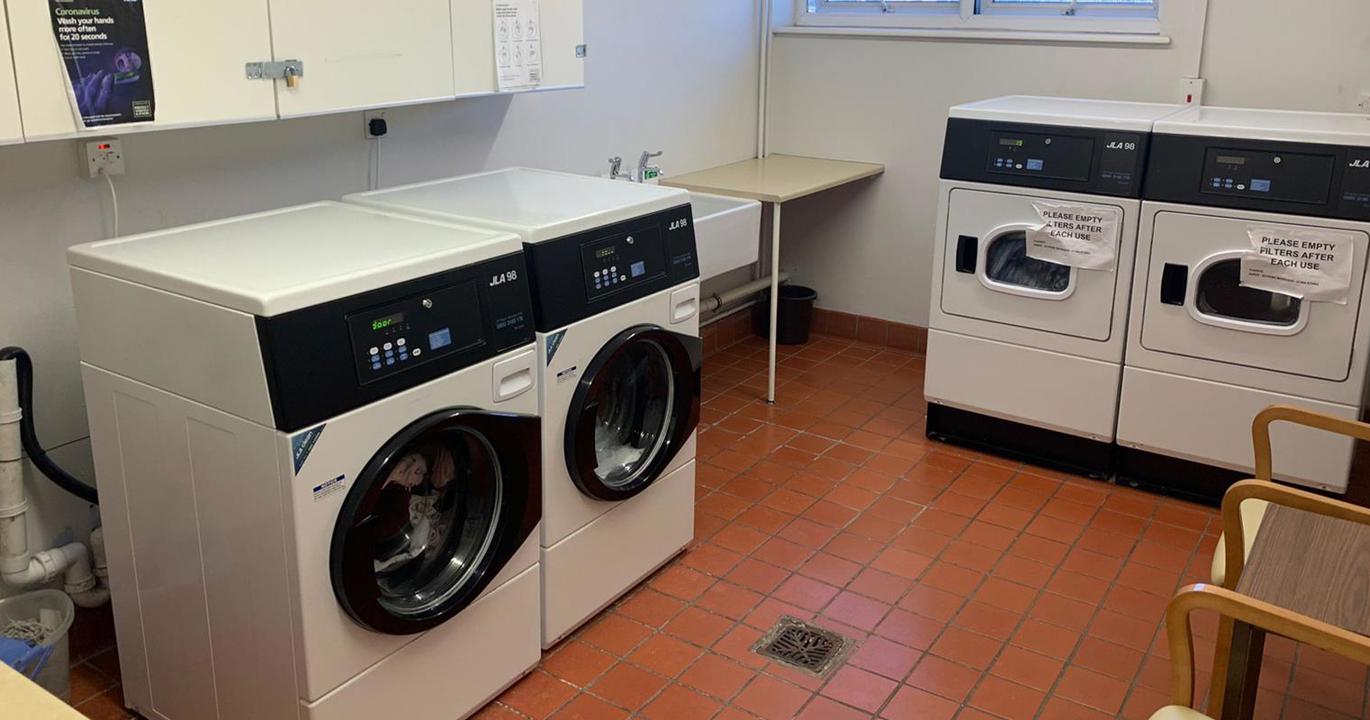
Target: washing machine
[615,283]
[1036,229]
[1249,291]
[316,441]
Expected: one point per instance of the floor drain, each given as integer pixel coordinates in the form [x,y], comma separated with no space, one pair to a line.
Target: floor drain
[803,646]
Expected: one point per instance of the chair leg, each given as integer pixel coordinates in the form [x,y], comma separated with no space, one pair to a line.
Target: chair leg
[1222,657]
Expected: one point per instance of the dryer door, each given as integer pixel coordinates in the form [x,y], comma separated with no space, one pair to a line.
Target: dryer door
[434,517]
[987,275]
[1196,306]
[635,407]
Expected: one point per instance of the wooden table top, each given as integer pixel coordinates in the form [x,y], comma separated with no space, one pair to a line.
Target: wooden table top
[775,178]
[1313,565]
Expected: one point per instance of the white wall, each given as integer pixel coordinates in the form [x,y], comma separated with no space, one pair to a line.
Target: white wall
[678,76]
[885,100]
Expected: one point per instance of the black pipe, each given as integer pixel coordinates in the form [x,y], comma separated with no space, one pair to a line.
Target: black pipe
[23,368]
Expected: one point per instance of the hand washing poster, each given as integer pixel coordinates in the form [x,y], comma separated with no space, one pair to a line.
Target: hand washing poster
[1075,235]
[518,44]
[1306,263]
[103,44]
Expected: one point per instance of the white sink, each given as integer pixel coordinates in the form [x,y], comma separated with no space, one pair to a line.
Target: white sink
[727,232]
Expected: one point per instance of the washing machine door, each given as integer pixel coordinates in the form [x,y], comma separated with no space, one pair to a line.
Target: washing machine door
[434,516]
[635,407]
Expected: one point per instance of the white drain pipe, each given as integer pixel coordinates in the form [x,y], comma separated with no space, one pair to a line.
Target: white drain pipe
[18,567]
[741,292]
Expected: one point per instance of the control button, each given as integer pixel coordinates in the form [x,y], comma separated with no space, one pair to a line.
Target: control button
[404,356]
[375,351]
[400,342]
[389,346]
[1241,186]
[596,273]
[390,361]
[418,352]
[622,277]
[375,366]
[613,269]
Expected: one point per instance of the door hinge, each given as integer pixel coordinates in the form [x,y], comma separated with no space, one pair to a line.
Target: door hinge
[288,70]
[580,51]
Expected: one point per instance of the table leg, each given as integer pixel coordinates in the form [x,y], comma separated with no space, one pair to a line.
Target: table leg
[1238,700]
[775,299]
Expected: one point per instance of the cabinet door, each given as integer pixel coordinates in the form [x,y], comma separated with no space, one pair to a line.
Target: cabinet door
[473,34]
[10,129]
[360,53]
[198,52]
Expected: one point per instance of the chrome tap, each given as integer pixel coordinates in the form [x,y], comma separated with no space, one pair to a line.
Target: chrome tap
[646,171]
[616,169]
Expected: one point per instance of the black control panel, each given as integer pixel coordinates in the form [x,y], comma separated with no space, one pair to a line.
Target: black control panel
[617,263]
[588,273]
[1282,177]
[416,330]
[1085,160]
[327,359]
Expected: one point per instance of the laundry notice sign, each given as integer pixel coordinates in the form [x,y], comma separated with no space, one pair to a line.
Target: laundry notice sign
[103,44]
[1080,236]
[518,44]
[1306,263]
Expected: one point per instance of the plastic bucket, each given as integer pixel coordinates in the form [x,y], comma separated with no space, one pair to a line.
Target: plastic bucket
[794,318]
[47,663]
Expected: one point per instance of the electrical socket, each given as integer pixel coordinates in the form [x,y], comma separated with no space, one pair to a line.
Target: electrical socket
[103,156]
[367,117]
[1192,91]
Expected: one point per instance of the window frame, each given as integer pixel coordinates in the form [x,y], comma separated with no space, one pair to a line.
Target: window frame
[980,15]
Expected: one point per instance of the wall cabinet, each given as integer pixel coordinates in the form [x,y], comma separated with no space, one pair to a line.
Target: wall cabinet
[198,51]
[361,54]
[357,54]
[473,35]
[10,129]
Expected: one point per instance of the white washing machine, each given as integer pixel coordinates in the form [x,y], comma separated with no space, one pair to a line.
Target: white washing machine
[1208,348]
[316,439]
[616,300]
[1025,353]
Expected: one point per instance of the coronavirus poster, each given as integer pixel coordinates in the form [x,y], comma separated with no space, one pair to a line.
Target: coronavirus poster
[104,51]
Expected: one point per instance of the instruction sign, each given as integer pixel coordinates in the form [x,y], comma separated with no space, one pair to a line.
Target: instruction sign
[103,44]
[518,44]
[1076,235]
[1306,263]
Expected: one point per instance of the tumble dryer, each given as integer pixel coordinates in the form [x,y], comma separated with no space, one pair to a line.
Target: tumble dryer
[1249,291]
[616,300]
[1036,229]
[316,439]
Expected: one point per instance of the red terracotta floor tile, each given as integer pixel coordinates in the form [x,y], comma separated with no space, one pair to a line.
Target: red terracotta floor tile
[974,587]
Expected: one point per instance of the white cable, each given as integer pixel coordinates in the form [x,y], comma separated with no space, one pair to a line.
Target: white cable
[114,200]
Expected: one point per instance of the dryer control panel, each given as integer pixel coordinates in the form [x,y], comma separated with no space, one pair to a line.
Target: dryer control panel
[1084,160]
[1279,177]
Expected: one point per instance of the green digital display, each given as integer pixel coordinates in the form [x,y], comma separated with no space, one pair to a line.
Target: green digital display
[1011,142]
[382,323]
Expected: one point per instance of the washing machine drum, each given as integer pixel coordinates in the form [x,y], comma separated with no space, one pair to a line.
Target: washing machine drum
[434,517]
[636,405]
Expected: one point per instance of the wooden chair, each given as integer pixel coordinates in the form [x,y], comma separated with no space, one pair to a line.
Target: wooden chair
[1245,503]
[1233,606]
[1244,507]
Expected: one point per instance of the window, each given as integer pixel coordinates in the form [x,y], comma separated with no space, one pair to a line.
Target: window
[1081,16]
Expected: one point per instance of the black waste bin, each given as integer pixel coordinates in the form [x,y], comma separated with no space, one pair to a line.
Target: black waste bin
[795,316]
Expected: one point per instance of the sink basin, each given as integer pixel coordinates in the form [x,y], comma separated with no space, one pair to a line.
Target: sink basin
[727,232]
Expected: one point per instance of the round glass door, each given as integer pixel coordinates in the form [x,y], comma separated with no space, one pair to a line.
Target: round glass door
[637,403]
[1220,294]
[422,530]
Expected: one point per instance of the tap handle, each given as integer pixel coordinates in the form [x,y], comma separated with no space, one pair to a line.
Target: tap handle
[647,156]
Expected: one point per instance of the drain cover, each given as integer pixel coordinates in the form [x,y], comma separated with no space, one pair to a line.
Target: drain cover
[803,646]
